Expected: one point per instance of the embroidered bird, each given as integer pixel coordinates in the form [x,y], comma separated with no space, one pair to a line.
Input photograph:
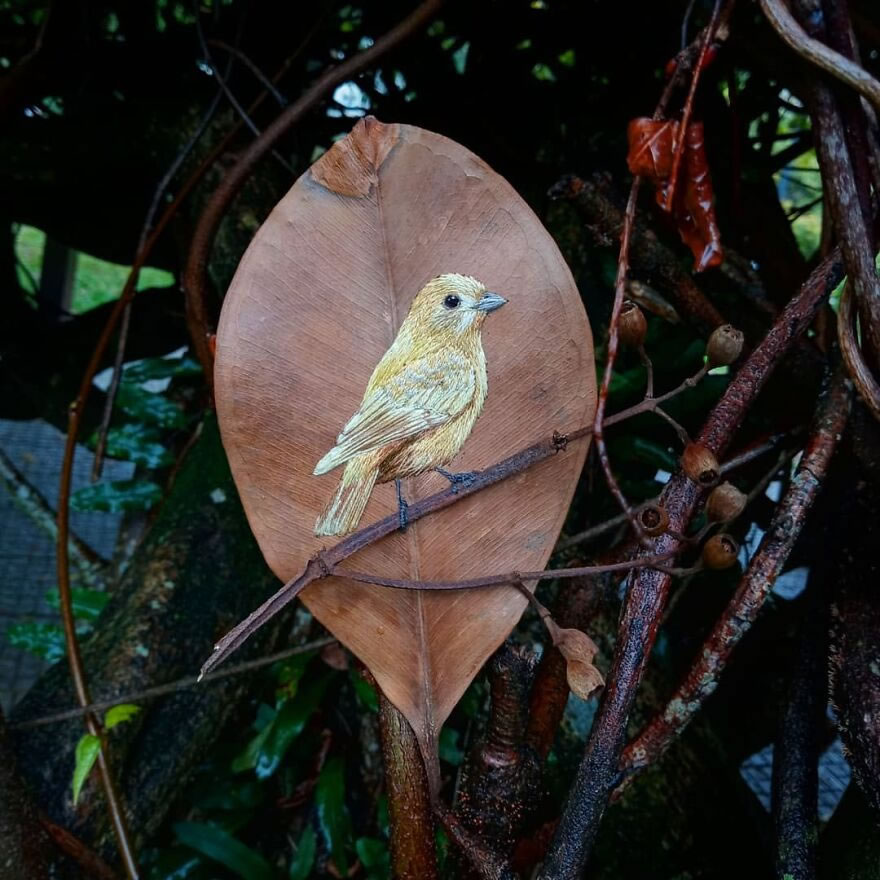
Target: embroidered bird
[421,401]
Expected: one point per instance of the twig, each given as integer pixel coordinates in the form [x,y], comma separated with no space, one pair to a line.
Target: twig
[172,687]
[267,84]
[116,376]
[194,278]
[75,849]
[689,106]
[611,356]
[75,417]
[323,563]
[815,51]
[230,96]
[858,370]
[846,205]
[648,590]
[754,587]
[513,578]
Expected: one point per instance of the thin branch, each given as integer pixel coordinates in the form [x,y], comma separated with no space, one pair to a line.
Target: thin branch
[816,52]
[194,278]
[267,84]
[172,687]
[689,106]
[754,587]
[323,563]
[858,370]
[230,95]
[649,589]
[513,578]
[75,849]
[116,376]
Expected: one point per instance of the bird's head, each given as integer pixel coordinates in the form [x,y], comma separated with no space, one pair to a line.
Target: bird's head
[453,304]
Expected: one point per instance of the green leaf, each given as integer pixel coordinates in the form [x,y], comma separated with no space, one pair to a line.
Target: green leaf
[364,691]
[266,750]
[145,406]
[117,496]
[87,604]
[160,368]
[375,857]
[333,818]
[288,673]
[45,640]
[137,443]
[118,714]
[87,750]
[567,58]
[218,845]
[304,859]
[543,72]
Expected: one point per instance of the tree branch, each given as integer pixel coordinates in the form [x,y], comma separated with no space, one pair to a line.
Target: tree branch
[754,587]
[646,597]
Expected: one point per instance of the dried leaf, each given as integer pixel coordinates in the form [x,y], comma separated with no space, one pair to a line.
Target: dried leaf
[652,146]
[315,303]
[578,649]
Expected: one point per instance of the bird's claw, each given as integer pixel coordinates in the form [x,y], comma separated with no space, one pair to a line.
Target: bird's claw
[465,479]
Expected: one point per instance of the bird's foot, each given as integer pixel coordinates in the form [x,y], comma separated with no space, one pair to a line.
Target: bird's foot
[465,479]
[402,508]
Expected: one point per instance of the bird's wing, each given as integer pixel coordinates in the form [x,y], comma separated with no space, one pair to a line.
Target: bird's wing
[424,394]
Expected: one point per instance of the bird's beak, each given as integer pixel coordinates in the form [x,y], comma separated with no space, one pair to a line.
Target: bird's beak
[490,302]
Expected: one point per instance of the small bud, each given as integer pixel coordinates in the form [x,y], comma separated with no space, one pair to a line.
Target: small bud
[720,551]
[725,502]
[653,519]
[724,346]
[700,465]
[632,325]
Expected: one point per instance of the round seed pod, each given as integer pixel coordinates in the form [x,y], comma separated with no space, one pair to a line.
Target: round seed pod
[724,346]
[725,502]
[720,551]
[632,324]
[653,519]
[700,465]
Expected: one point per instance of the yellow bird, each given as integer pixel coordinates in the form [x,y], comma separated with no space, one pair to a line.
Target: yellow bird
[421,401]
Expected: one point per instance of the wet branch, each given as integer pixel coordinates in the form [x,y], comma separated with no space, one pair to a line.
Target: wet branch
[754,587]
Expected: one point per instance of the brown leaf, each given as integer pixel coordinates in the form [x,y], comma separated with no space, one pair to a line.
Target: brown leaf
[652,146]
[315,303]
[578,649]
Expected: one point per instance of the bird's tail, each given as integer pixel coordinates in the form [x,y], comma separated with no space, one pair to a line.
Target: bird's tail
[345,510]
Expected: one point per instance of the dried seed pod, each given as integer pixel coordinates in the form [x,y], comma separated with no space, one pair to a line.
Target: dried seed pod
[724,346]
[700,465]
[632,324]
[578,649]
[720,551]
[653,519]
[725,502]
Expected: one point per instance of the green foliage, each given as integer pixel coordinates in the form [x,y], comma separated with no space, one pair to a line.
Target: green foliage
[89,745]
[375,857]
[333,819]
[266,750]
[117,496]
[87,604]
[87,750]
[220,846]
[120,713]
[136,443]
[149,407]
[304,858]
[365,692]
[160,368]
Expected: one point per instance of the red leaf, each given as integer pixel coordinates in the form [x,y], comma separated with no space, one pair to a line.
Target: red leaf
[652,146]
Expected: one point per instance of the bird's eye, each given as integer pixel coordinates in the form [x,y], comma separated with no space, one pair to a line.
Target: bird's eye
[451,302]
